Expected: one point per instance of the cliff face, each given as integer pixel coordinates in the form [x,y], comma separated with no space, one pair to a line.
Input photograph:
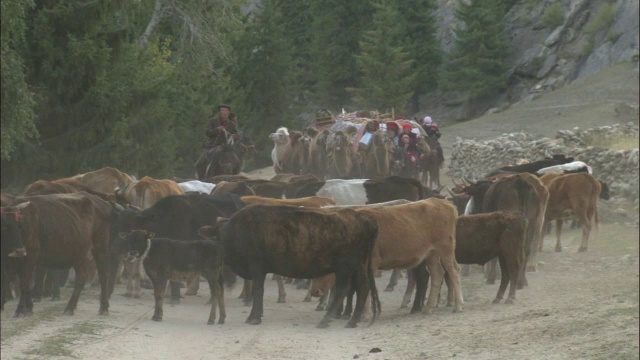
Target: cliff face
[594,35]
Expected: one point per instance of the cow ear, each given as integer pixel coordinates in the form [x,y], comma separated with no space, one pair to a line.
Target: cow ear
[123,235]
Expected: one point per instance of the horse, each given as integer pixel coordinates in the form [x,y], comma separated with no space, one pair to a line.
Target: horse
[431,162]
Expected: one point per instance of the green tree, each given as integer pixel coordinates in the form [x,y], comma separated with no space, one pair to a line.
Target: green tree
[420,40]
[336,27]
[17,101]
[386,78]
[478,64]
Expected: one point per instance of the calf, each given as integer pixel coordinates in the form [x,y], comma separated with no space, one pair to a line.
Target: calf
[572,195]
[179,260]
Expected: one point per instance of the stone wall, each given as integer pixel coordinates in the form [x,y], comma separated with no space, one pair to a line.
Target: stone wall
[619,168]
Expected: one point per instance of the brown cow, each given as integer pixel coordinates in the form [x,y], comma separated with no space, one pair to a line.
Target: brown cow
[423,231]
[60,230]
[147,191]
[572,195]
[233,187]
[522,193]
[105,180]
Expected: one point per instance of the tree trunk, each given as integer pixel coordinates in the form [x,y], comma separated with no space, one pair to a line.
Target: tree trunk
[155,19]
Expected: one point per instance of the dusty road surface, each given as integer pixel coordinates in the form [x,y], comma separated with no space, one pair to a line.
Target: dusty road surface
[578,306]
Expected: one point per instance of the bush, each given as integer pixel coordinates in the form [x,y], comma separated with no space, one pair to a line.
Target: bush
[603,19]
[553,16]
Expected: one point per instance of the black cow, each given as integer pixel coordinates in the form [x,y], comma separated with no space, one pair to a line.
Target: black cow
[533,166]
[179,260]
[302,243]
[176,217]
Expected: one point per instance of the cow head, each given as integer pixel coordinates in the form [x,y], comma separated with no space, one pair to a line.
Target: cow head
[11,221]
[138,243]
[604,191]
[211,232]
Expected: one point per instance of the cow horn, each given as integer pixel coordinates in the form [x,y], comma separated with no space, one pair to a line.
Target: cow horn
[117,206]
[449,191]
[470,182]
[440,188]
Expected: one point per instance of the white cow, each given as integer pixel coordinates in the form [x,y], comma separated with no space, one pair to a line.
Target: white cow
[197,186]
[575,166]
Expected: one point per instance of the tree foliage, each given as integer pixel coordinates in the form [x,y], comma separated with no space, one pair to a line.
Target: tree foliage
[478,64]
[386,76]
[17,101]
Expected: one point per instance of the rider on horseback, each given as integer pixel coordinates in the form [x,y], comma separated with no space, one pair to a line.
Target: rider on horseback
[221,129]
[433,134]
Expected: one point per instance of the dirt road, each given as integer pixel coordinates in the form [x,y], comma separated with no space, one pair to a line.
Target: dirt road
[577,306]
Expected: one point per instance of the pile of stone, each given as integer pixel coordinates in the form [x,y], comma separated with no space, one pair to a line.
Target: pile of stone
[619,168]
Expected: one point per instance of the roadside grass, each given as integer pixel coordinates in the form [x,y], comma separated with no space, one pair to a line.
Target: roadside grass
[58,345]
[21,326]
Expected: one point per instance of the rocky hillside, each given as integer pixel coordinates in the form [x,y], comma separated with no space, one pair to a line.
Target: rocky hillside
[548,52]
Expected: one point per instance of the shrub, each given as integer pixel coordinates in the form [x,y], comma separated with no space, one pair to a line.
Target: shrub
[603,19]
[553,16]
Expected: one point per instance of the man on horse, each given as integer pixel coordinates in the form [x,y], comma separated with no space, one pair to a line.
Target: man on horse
[221,129]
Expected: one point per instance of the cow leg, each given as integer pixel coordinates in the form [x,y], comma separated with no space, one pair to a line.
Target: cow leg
[491,272]
[215,287]
[587,220]
[466,270]
[175,292]
[411,285]
[137,278]
[437,276]
[129,265]
[102,267]
[159,281]
[82,272]
[38,283]
[393,280]
[559,223]
[322,304]
[25,304]
[282,295]
[421,276]
[193,286]
[343,278]
[59,279]
[223,311]
[452,272]
[248,292]
[348,307]
[258,277]
[47,286]
[361,286]
[504,279]
[514,266]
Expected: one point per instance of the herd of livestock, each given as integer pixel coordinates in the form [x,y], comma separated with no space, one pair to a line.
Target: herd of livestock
[337,231]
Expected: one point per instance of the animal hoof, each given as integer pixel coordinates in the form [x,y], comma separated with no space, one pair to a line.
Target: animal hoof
[323,325]
[36,299]
[191,293]
[174,301]
[281,301]
[211,322]
[68,312]
[457,309]
[415,311]
[388,289]
[509,301]
[306,299]
[496,301]
[558,249]
[320,308]
[156,318]
[582,249]
[253,321]
[220,322]
[351,324]
[136,296]
[345,316]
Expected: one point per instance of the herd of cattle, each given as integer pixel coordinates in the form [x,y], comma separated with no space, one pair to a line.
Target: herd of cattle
[338,232]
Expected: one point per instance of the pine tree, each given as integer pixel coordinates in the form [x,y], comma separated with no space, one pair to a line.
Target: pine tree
[420,40]
[478,65]
[336,27]
[386,77]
